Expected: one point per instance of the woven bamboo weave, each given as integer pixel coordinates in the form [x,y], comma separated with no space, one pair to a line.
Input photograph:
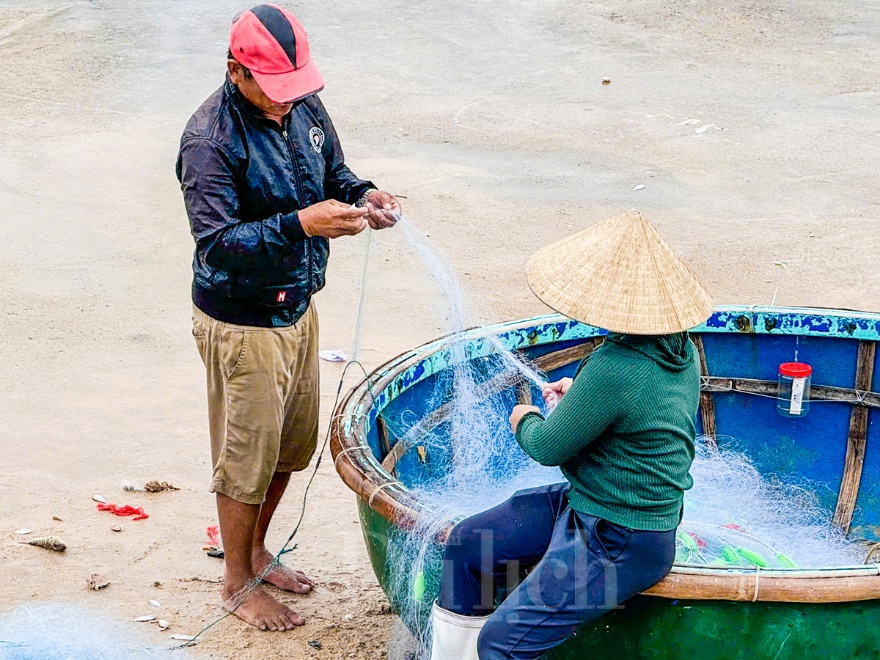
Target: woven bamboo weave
[622,276]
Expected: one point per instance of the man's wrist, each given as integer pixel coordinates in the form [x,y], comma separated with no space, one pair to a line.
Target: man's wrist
[363,198]
[294,225]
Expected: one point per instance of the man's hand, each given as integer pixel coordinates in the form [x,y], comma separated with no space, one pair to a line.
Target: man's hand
[383,209]
[332,219]
[553,392]
[518,413]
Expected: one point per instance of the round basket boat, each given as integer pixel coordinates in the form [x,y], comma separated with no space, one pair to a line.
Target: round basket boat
[696,612]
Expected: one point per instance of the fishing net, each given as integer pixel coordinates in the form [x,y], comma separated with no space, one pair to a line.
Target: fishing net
[56,631]
[736,516]
[469,458]
[468,461]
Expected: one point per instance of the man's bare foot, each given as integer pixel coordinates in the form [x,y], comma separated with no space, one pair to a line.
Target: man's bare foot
[262,611]
[279,575]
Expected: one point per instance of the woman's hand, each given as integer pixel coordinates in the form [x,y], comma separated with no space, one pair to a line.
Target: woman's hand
[518,413]
[553,392]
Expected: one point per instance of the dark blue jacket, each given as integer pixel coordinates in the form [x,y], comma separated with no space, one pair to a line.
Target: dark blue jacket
[244,179]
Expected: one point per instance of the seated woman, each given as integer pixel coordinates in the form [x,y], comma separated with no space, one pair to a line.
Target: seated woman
[622,433]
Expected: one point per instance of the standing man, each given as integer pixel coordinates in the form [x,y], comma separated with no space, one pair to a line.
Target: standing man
[265,186]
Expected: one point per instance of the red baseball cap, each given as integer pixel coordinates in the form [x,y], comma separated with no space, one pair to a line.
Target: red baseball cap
[270,42]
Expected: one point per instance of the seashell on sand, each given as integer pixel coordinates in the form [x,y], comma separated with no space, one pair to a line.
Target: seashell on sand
[49,543]
[96,581]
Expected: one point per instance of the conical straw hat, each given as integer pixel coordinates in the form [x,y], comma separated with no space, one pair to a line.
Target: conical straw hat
[622,276]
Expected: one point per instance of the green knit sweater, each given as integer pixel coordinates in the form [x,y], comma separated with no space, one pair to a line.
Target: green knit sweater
[624,433]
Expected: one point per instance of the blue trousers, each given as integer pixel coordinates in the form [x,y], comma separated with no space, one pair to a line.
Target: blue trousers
[578,566]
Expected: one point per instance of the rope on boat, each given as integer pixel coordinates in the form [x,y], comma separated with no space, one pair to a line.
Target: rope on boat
[378,488]
[345,451]
[873,549]
[707,385]
[757,583]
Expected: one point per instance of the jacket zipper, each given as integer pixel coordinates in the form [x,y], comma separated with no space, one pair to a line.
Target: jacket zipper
[301,193]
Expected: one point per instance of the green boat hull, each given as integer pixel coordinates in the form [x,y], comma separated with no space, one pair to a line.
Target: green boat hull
[658,628]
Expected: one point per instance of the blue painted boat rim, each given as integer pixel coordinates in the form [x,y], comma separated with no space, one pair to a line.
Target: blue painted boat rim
[541,330]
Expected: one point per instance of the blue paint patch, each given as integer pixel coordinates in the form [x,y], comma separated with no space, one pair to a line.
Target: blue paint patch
[750,356]
[794,321]
[812,448]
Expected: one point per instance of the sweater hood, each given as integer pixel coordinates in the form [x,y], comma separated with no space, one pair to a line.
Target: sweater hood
[672,352]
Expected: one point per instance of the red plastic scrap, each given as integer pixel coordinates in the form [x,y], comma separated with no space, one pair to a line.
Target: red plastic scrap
[214,535]
[701,543]
[124,510]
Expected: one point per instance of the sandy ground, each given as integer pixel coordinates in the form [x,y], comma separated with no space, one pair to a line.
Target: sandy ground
[753,127]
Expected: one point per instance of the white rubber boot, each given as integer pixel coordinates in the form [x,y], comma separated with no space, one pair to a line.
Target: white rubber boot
[455,636]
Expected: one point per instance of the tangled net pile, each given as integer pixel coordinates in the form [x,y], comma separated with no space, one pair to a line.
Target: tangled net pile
[734,515]
[55,631]
[472,459]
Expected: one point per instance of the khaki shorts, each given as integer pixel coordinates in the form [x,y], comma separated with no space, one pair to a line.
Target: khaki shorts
[263,395]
